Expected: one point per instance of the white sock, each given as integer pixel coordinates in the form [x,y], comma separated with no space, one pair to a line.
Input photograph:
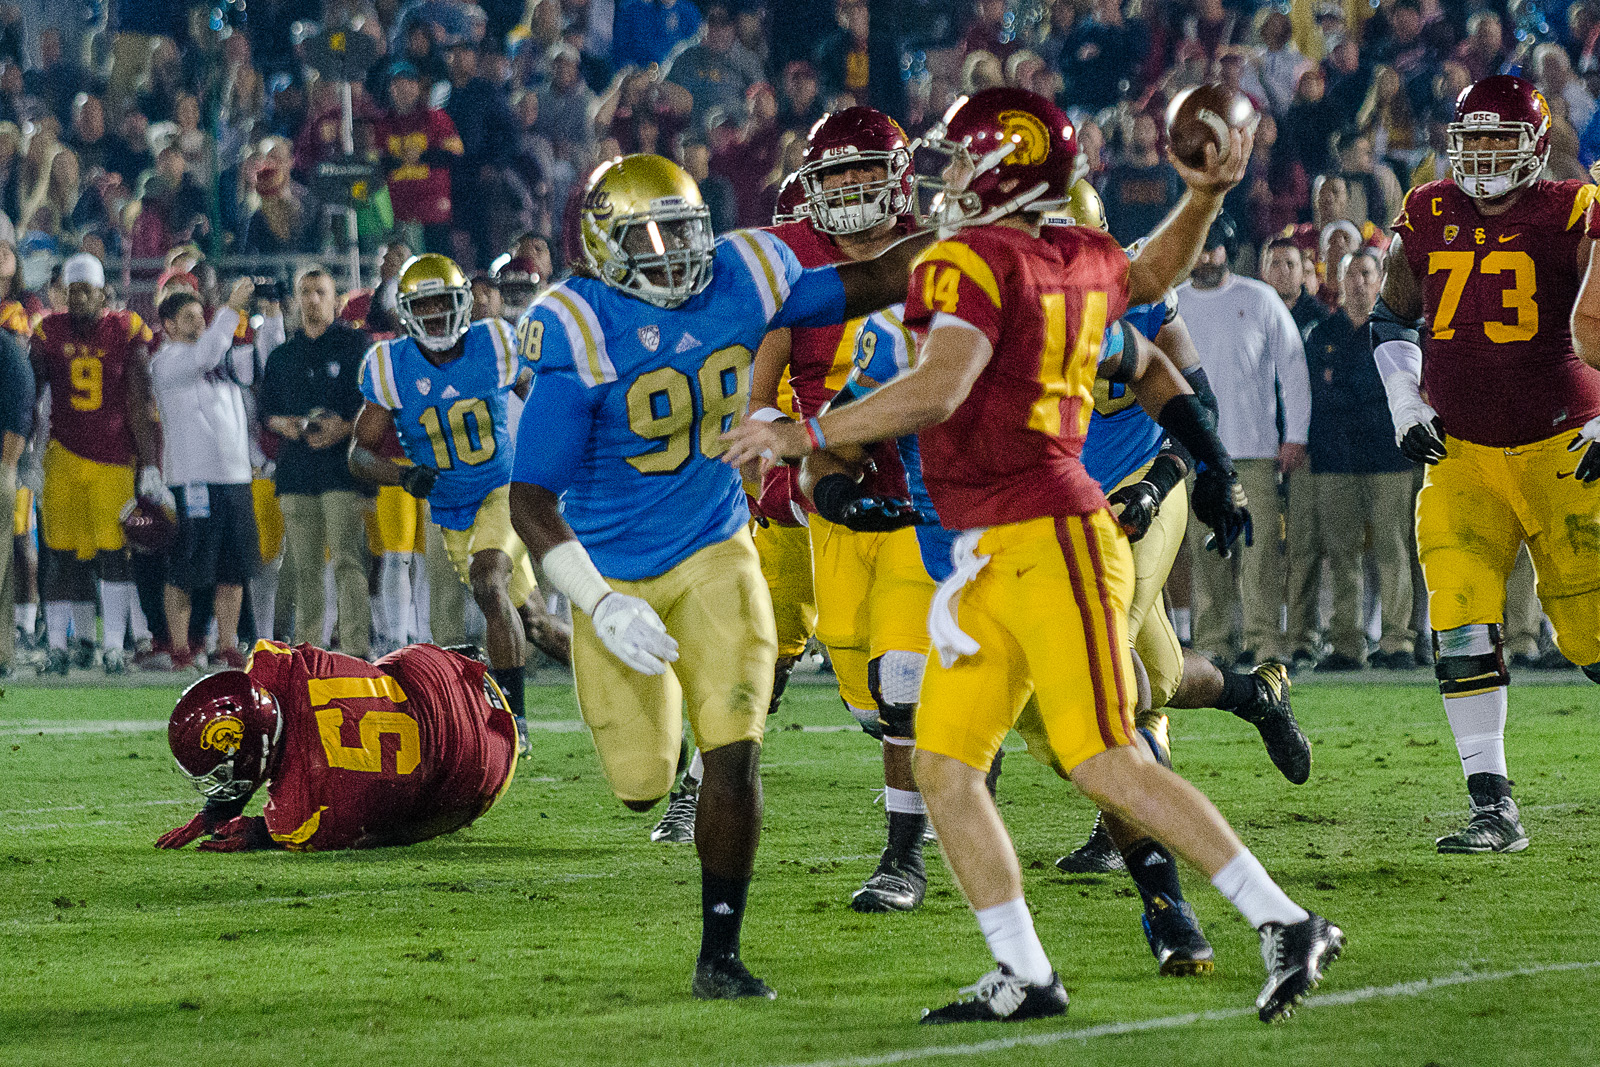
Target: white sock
[421,628]
[394,589]
[264,597]
[57,614]
[28,617]
[330,604]
[140,624]
[115,600]
[83,620]
[697,767]
[1008,928]
[905,801]
[1249,887]
[1479,723]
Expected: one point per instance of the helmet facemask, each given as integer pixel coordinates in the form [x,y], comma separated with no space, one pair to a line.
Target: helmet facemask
[227,780]
[436,330]
[955,204]
[856,207]
[670,257]
[1486,174]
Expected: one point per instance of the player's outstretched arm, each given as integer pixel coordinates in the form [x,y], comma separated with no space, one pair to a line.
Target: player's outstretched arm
[1395,326]
[1586,309]
[206,821]
[373,424]
[873,284]
[1174,245]
[951,360]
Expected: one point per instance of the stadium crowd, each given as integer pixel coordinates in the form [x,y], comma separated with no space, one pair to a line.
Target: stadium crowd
[169,140]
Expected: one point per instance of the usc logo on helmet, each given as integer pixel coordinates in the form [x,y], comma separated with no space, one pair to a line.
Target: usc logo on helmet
[1028,133]
[225,734]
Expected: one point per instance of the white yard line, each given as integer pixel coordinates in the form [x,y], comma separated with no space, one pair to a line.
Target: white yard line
[1170,1022]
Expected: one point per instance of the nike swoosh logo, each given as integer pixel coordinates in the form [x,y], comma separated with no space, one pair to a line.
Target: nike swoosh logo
[1566,474]
[1509,237]
[1475,754]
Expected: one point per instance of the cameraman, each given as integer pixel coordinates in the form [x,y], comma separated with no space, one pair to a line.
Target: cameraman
[206,463]
[310,393]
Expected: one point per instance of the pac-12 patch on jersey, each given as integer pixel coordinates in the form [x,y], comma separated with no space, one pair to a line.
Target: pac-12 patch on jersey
[451,417]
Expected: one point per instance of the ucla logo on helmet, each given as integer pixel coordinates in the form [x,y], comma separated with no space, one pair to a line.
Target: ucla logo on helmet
[598,203]
[224,733]
[1028,133]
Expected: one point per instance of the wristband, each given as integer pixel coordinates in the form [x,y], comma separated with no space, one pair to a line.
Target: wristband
[1166,472]
[814,434]
[570,570]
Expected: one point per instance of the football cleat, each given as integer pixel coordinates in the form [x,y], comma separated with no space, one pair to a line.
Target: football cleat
[83,656]
[1098,855]
[115,662]
[524,744]
[57,662]
[1493,827]
[1271,714]
[727,978]
[1175,938]
[1002,997]
[894,886]
[677,822]
[1295,956]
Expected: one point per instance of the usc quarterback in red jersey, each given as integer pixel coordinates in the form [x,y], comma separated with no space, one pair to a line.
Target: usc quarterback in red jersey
[1000,398]
[352,754]
[1473,340]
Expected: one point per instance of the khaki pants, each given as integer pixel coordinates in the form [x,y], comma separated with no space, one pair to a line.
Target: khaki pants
[1350,509]
[333,523]
[8,571]
[1306,552]
[1249,583]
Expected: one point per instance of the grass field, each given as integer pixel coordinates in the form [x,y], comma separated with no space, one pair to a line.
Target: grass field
[554,932]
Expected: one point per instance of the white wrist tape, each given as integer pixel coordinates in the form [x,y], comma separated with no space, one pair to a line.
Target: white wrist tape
[767,415]
[570,570]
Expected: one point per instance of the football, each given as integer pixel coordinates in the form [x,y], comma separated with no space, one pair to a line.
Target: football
[1202,115]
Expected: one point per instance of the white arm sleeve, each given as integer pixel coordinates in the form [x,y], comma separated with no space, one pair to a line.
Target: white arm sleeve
[570,570]
[1400,367]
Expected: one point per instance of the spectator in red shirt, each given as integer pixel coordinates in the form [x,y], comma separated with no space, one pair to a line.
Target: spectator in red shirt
[418,144]
[988,31]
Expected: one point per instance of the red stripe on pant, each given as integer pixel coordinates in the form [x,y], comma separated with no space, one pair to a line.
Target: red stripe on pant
[1086,616]
[1110,614]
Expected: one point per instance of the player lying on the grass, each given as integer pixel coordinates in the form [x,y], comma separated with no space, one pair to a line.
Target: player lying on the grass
[352,754]
[1488,262]
[443,389]
[1000,400]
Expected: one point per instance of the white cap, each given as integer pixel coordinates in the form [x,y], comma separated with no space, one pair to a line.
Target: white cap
[83,268]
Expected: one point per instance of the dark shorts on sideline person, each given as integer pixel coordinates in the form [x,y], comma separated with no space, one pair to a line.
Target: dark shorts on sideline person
[217,541]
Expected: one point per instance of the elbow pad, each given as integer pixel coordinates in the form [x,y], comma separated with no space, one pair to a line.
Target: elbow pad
[1196,377]
[1385,325]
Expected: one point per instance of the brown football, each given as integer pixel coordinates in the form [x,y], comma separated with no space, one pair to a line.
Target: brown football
[1202,115]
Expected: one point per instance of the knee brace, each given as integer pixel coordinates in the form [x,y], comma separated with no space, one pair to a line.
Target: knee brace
[1469,659]
[895,679]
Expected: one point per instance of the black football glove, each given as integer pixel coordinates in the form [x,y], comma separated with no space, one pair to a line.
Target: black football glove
[1141,503]
[1588,469]
[418,481]
[1220,503]
[1424,441]
[873,514]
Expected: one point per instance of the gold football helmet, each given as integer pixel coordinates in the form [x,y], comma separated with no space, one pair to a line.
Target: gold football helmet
[434,301]
[646,232]
[1082,207]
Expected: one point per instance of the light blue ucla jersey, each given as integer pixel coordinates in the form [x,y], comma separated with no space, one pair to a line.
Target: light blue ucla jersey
[453,417]
[631,399]
[1122,437]
[885,347]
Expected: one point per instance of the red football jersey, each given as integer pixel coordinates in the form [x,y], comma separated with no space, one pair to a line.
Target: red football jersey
[1497,358]
[385,754]
[420,192]
[820,358]
[87,373]
[1011,451]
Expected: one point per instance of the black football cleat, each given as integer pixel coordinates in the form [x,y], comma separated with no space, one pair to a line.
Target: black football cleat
[1002,997]
[1175,939]
[1493,827]
[677,822]
[894,886]
[1295,956]
[727,978]
[1272,716]
[1098,855]
[56,662]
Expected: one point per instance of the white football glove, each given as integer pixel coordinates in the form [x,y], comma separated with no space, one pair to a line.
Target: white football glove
[1588,439]
[154,487]
[633,632]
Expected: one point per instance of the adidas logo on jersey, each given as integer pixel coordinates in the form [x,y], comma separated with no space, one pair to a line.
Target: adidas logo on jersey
[687,342]
[450,393]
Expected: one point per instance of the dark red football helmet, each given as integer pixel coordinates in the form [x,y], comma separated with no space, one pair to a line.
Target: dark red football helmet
[148,526]
[1506,107]
[223,734]
[517,278]
[791,205]
[852,139]
[1007,150]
